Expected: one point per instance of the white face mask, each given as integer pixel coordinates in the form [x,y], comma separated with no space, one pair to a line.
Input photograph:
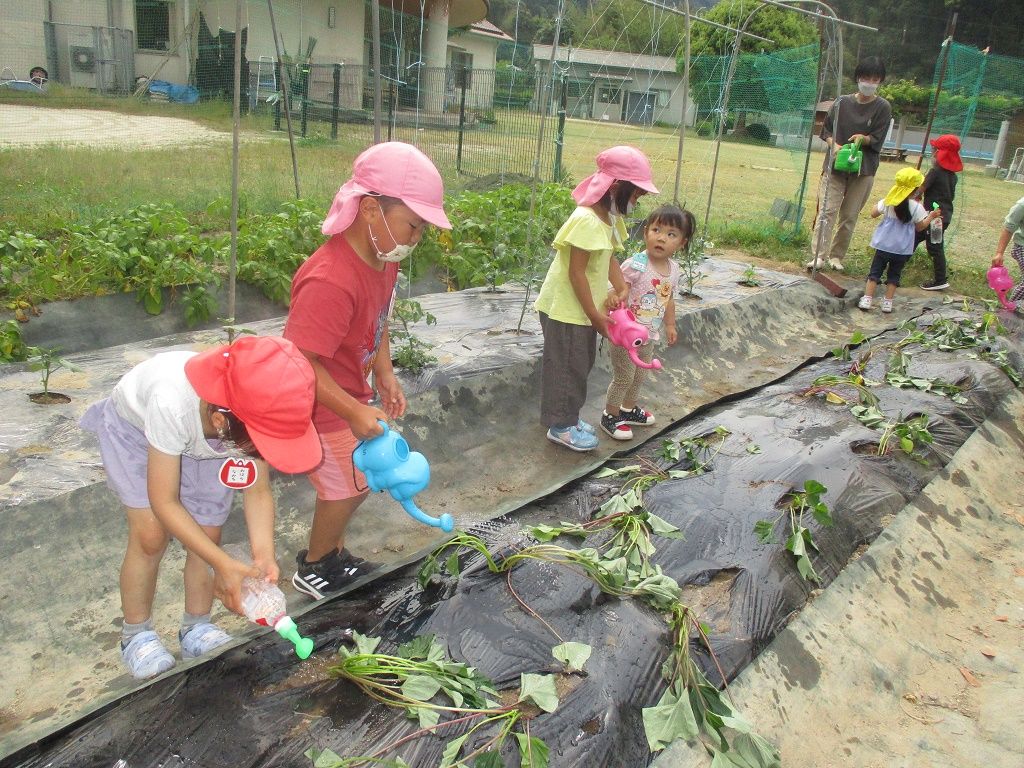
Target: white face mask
[613,209]
[397,253]
[866,88]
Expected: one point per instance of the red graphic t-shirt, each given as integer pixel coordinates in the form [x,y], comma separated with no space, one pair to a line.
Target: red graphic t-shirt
[339,310]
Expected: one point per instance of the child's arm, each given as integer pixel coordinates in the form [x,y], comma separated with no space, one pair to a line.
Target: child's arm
[620,288]
[163,481]
[878,210]
[923,224]
[392,398]
[669,322]
[578,259]
[361,418]
[1004,240]
[258,502]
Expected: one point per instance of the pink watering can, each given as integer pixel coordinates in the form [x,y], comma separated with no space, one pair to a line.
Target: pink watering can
[626,332]
[999,280]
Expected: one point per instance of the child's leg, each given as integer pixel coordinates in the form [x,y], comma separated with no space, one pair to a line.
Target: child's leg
[622,378]
[938,253]
[147,542]
[330,521]
[646,353]
[892,280]
[569,354]
[198,578]
[878,264]
[1017,294]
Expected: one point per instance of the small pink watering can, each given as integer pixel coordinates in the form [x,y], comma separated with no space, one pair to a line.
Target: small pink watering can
[999,280]
[626,332]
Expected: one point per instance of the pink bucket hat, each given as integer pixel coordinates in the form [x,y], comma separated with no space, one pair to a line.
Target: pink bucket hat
[394,169]
[620,163]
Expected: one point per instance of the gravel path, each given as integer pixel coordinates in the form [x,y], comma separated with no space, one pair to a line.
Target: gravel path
[23,126]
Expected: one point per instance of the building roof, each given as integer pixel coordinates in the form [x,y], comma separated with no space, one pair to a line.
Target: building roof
[461,13]
[611,59]
[490,30]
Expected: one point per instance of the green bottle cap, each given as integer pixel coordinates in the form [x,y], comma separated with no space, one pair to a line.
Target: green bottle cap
[286,628]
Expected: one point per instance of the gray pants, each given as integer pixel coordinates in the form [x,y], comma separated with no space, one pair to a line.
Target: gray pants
[569,355]
[627,377]
[846,197]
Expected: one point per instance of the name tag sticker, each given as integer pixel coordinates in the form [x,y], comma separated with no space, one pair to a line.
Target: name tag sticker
[238,474]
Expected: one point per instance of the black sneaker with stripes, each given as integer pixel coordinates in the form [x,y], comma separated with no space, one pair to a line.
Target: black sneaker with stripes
[330,573]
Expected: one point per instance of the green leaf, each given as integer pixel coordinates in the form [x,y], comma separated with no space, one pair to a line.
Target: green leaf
[540,689]
[572,655]
[803,565]
[490,759]
[420,687]
[533,751]
[814,487]
[365,644]
[907,444]
[450,755]
[452,564]
[795,543]
[672,718]
[821,514]
[427,717]
[764,530]
[663,528]
[417,648]
[324,758]
[753,448]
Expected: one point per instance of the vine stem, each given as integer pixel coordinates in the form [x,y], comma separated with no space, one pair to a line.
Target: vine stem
[527,608]
[430,729]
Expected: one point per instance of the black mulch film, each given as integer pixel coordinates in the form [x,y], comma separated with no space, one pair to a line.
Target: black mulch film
[257,705]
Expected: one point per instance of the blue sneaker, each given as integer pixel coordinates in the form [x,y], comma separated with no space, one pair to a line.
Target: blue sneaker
[582,426]
[574,439]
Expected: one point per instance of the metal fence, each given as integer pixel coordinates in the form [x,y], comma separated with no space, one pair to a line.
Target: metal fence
[476,121]
[95,57]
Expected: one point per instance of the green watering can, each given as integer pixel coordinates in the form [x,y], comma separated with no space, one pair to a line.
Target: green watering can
[849,158]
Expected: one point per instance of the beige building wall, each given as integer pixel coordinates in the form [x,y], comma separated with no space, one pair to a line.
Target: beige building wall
[483,49]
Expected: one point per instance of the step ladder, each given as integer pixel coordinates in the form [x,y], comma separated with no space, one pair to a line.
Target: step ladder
[1016,170]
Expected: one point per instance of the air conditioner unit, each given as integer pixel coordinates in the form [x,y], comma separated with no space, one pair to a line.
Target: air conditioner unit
[82,65]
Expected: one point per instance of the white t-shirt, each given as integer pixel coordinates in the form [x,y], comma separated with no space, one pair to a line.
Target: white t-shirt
[157,398]
[893,235]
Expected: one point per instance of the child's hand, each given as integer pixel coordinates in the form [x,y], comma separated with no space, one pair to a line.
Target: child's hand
[601,323]
[670,335]
[227,583]
[997,260]
[363,422]
[268,568]
[392,399]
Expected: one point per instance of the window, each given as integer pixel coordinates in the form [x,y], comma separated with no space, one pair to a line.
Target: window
[462,66]
[609,94]
[153,25]
[661,97]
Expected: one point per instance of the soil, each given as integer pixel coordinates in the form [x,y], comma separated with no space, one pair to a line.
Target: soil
[49,398]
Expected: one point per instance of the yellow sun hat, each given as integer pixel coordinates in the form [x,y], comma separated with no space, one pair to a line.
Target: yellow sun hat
[907,180]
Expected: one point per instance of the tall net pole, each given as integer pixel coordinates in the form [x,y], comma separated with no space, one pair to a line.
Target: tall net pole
[285,89]
[236,120]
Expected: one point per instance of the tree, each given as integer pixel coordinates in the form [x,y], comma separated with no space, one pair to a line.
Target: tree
[787,29]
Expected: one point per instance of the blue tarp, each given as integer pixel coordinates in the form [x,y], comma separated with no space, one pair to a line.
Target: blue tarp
[184,94]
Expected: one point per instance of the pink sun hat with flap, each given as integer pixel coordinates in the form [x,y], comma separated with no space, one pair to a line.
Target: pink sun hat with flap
[620,163]
[394,169]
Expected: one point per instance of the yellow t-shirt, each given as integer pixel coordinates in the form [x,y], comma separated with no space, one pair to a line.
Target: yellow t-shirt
[584,230]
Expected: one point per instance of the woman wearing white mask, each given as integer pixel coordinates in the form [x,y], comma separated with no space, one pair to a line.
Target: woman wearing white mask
[338,318]
[863,116]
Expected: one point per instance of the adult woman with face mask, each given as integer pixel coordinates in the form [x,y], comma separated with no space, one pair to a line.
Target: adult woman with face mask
[863,116]
[340,301]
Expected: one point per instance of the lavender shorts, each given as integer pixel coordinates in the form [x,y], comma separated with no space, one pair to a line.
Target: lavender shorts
[125,453]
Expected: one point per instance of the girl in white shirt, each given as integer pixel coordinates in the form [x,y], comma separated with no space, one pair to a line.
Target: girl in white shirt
[178,435]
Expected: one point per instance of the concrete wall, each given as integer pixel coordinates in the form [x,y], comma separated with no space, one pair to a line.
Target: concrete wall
[484,52]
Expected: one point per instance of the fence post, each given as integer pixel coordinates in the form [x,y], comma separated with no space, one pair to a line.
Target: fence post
[305,98]
[462,119]
[563,101]
[277,102]
[392,95]
[335,100]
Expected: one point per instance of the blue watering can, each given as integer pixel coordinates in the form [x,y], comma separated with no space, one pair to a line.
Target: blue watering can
[390,466]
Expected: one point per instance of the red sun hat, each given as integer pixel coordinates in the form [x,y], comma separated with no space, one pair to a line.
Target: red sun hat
[620,163]
[270,386]
[947,152]
[395,169]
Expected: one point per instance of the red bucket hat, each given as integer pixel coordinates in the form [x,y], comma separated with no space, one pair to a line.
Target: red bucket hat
[270,386]
[395,169]
[947,152]
[620,163]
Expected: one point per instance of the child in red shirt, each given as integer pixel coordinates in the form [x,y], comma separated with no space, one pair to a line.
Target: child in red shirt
[340,301]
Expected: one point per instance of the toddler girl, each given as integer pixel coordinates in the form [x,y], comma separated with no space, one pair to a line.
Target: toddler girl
[893,240]
[652,277]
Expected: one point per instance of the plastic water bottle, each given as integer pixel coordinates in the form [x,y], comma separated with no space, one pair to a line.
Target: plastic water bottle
[935,228]
[264,604]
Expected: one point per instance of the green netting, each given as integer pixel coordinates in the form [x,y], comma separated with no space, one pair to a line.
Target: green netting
[979,91]
[772,99]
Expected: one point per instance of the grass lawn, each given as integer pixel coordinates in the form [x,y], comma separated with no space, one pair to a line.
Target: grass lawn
[45,188]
